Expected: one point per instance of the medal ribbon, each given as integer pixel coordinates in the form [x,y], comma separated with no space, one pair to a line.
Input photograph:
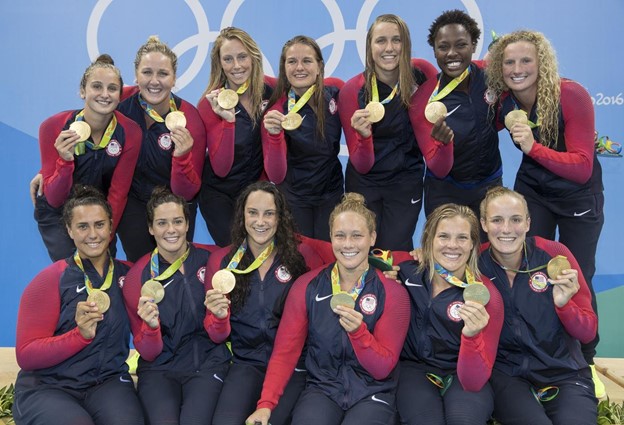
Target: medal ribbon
[453,280]
[524,260]
[266,253]
[107,281]
[335,281]
[531,123]
[449,87]
[152,112]
[242,89]
[294,107]
[79,149]
[154,267]
[375,91]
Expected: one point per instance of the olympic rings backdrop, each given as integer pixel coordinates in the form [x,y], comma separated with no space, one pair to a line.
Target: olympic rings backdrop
[46,46]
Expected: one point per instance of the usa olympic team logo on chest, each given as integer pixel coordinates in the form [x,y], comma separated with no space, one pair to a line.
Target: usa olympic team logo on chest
[368,304]
[538,282]
[452,311]
[113,148]
[282,274]
[164,141]
[333,107]
[121,282]
[201,274]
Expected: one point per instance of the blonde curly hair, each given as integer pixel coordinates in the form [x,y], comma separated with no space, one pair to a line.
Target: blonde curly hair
[548,80]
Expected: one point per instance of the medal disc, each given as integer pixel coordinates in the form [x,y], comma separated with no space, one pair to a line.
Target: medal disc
[376,110]
[227,99]
[556,265]
[224,281]
[517,116]
[100,298]
[477,292]
[153,289]
[82,129]
[341,298]
[175,119]
[292,122]
[434,111]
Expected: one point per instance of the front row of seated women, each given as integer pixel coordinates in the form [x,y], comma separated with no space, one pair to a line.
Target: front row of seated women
[354,346]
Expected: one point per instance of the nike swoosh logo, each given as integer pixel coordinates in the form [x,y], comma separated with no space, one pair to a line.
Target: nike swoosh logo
[492,278]
[215,376]
[79,289]
[581,214]
[322,298]
[413,202]
[122,379]
[300,370]
[408,283]
[374,398]
[167,284]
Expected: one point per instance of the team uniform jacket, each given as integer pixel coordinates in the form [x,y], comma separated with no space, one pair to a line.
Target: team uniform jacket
[235,149]
[570,169]
[435,332]
[180,343]
[50,349]
[391,154]
[345,367]
[109,169]
[473,156]
[539,341]
[156,165]
[307,166]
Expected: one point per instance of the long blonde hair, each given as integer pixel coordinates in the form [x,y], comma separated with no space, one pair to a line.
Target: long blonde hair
[406,75]
[548,80]
[256,80]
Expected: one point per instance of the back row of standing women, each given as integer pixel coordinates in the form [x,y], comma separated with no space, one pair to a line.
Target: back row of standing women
[388,146]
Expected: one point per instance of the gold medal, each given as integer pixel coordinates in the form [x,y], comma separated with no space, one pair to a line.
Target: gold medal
[434,111]
[376,110]
[557,265]
[82,129]
[341,298]
[227,99]
[153,289]
[517,116]
[175,119]
[224,281]
[292,122]
[100,298]
[477,293]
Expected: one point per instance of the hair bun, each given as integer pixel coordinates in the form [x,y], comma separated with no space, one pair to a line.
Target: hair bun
[105,58]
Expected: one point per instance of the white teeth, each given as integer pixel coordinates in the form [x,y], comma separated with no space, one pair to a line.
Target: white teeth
[517,79]
[349,254]
[452,256]
[453,64]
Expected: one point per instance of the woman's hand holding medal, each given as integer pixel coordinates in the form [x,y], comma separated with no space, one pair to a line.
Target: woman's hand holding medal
[442,132]
[475,318]
[565,286]
[522,135]
[273,122]
[361,123]
[227,114]
[65,144]
[87,317]
[182,139]
[217,303]
[350,319]
[148,311]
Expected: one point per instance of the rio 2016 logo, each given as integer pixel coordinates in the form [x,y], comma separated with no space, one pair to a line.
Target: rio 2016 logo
[205,36]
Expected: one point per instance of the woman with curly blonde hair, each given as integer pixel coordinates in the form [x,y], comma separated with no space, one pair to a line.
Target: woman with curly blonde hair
[560,175]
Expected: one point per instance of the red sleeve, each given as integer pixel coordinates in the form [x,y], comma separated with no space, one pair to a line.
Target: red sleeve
[478,353]
[57,173]
[186,170]
[291,336]
[577,316]
[274,149]
[218,329]
[36,346]
[438,156]
[379,352]
[147,341]
[124,170]
[426,67]
[400,256]
[333,81]
[316,252]
[220,135]
[361,152]
[270,81]
[576,164]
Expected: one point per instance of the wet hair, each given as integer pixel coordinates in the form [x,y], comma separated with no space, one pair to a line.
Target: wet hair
[353,202]
[286,241]
[162,195]
[317,101]
[548,80]
[451,17]
[496,192]
[83,195]
[153,44]
[407,82]
[256,80]
[103,61]
[444,212]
